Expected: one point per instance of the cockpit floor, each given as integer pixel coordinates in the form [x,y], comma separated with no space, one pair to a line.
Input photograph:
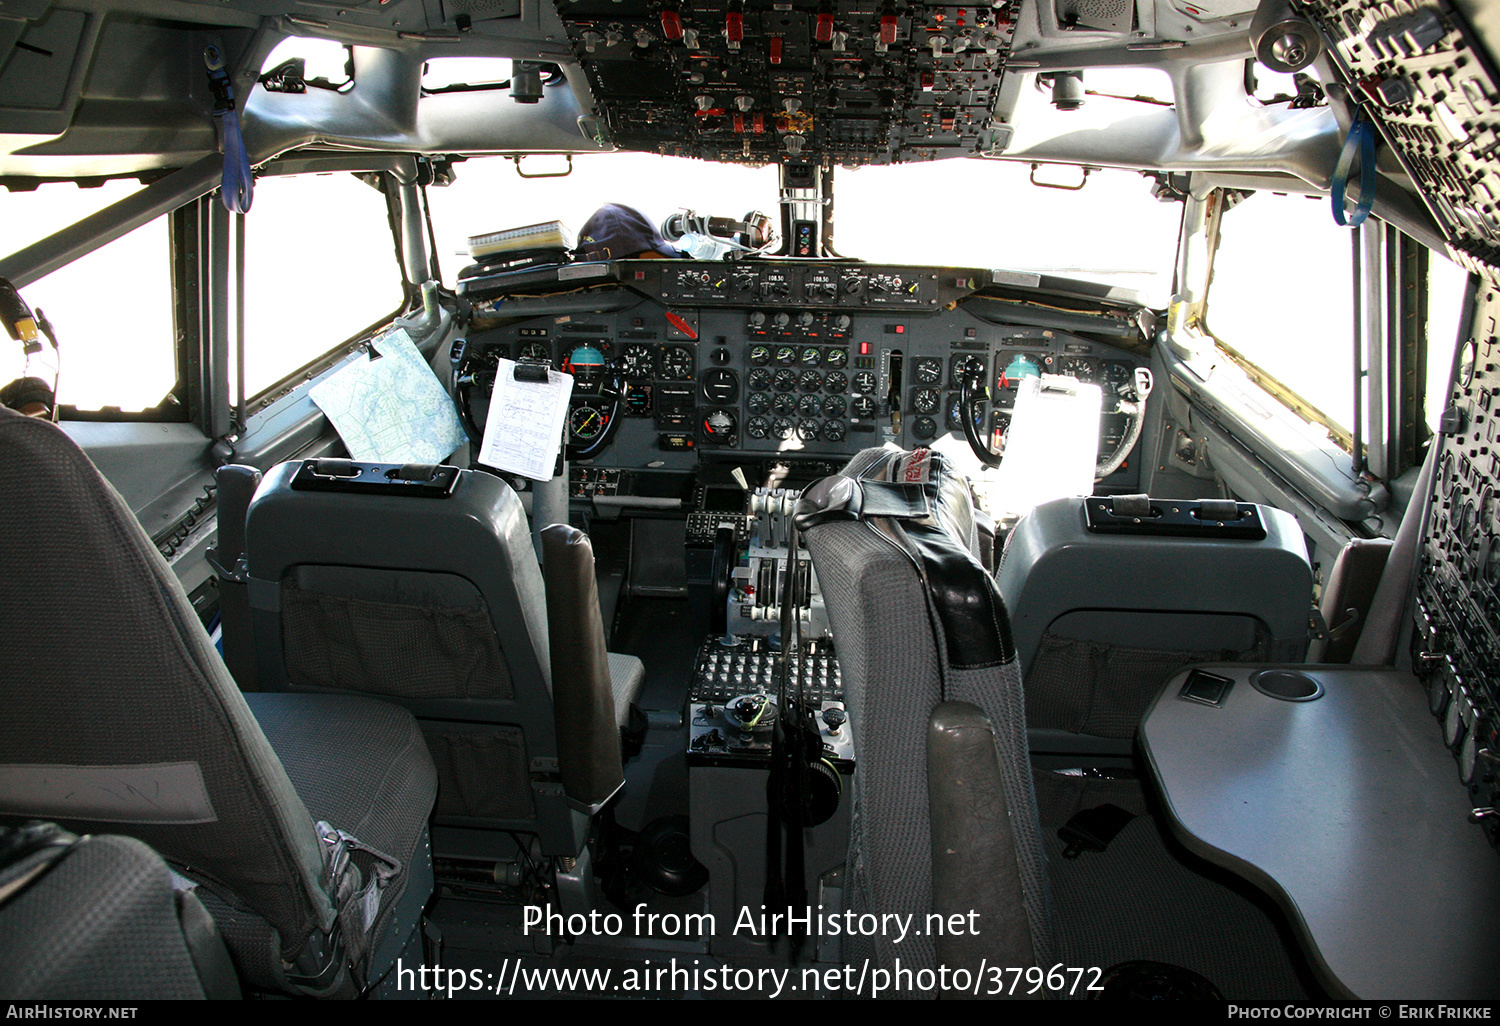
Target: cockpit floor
[1146,897]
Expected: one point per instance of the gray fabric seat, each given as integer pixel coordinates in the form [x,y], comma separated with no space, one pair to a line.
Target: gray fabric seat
[1102,620]
[627,675]
[438,602]
[97,918]
[919,622]
[356,762]
[121,717]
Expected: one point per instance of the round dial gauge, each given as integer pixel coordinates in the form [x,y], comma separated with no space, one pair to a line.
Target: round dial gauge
[720,385]
[535,352]
[760,355]
[926,400]
[587,422]
[785,403]
[1437,695]
[1492,564]
[864,382]
[833,431]
[929,372]
[1465,521]
[757,427]
[786,380]
[586,364]
[638,398]
[809,406]
[833,381]
[719,425]
[863,406]
[637,362]
[1117,374]
[758,402]
[836,358]
[1466,363]
[1078,367]
[1468,755]
[811,356]
[1455,722]
[834,406]
[781,428]
[677,363]
[759,380]
[786,355]
[923,428]
[963,366]
[955,422]
[811,381]
[1017,367]
[808,431]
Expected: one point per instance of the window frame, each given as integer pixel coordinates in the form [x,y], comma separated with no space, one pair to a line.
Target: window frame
[1391,278]
[1263,378]
[209,262]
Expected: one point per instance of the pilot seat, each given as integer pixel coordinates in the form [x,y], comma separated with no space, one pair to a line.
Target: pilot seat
[421,585]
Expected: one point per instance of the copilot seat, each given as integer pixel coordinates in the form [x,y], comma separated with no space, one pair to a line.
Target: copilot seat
[1108,596]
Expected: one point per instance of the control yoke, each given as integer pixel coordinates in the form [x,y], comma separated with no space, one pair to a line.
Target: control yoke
[1132,403]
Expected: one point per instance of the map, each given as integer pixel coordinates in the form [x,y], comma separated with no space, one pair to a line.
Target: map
[392,409]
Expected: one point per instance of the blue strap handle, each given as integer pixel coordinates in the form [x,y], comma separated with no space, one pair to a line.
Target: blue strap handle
[1361,141]
[237,187]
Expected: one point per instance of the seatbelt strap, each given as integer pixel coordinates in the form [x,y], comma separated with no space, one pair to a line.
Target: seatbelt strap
[788,789]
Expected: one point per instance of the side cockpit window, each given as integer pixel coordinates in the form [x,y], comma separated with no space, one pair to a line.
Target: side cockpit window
[111,309]
[1281,300]
[320,268]
[1353,331]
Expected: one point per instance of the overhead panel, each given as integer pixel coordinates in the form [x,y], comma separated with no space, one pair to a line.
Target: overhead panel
[1420,72]
[848,82]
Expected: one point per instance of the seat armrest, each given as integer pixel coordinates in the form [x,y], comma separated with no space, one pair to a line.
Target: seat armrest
[588,735]
[974,860]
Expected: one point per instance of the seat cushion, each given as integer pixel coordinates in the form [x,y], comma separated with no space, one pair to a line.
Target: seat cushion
[362,766]
[358,763]
[627,674]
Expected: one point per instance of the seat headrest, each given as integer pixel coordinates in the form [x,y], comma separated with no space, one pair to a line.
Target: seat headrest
[928,513]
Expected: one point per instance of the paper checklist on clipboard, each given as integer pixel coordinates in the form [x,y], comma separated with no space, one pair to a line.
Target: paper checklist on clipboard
[523,431]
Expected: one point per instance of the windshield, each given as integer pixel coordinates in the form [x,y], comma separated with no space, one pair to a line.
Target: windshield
[488,195]
[1112,231]
[985,213]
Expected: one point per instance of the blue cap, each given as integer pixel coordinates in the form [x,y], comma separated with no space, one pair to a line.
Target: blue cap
[618,232]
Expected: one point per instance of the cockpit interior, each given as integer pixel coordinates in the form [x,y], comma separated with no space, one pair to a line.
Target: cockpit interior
[750,498]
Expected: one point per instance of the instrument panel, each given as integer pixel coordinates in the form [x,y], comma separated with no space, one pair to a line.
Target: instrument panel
[725,366]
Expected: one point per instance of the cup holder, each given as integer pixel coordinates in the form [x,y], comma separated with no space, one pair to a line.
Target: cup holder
[1287,685]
